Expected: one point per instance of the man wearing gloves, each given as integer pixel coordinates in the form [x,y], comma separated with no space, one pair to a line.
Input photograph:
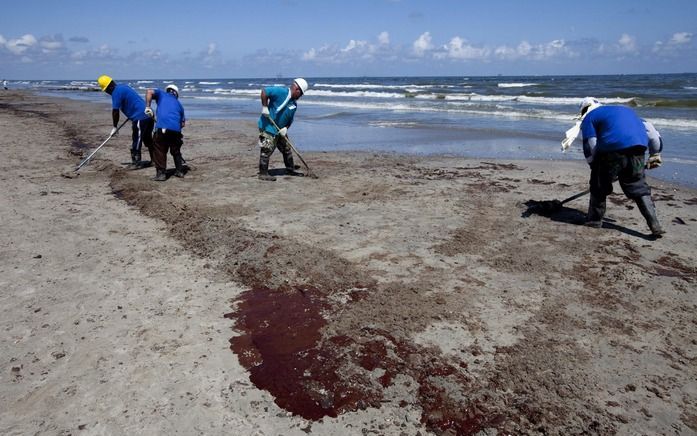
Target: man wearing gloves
[170,121]
[278,104]
[615,140]
[127,100]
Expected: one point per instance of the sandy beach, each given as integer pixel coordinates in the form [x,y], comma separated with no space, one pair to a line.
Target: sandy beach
[392,295]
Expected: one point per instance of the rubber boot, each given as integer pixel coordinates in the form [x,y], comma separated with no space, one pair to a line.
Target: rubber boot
[137,159]
[290,165]
[596,212]
[179,165]
[160,175]
[264,170]
[134,158]
[648,210]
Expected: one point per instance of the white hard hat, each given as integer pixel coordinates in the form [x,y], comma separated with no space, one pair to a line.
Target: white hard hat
[590,103]
[302,84]
[173,87]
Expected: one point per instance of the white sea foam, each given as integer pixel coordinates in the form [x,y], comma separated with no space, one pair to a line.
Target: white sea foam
[145,81]
[690,87]
[516,85]
[674,123]
[374,86]
[364,94]
[400,124]
[459,107]
[209,83]
[264,85]
[217,98]
[252,92]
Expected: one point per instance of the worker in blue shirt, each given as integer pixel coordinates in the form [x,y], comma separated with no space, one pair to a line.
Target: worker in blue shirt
[170,121]
[615,141]
[127,100]
[279,104]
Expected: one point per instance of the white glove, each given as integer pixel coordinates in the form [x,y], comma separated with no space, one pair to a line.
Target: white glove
[114,132]
[654,161]
[149,112]
[265,111]
[283,132]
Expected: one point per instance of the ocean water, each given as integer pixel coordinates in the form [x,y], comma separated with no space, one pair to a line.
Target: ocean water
[521,117]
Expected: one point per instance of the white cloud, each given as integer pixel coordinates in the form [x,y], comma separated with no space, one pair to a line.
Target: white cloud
[422,44]
[458,48]
[310,55]
[51,45]
[20,45]
[355,45]
[681,38]
[355,50]
[326,54]
[210,56]
[627,44]
[525,50]
[676,44]
[552,49]
[104,50]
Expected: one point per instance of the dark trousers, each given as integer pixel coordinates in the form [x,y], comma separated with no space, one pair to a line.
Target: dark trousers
[142,134]
[167,141]
[626,166]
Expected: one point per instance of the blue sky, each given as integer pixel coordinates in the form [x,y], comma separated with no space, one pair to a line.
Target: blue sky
[206,39]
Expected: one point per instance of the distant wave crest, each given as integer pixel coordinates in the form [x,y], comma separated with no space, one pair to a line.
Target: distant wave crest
[516,85]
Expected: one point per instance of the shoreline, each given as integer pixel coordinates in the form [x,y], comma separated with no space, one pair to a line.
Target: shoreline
[441,304]
[477,145]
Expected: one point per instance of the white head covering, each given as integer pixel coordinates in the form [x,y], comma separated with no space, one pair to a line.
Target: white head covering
[571,134]
[590,103]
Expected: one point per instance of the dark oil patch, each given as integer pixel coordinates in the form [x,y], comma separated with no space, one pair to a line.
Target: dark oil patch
[667,272]
[541,182]
[671,266]
[281,345]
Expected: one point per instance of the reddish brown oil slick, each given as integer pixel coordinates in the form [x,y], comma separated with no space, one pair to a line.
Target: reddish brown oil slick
[282,347]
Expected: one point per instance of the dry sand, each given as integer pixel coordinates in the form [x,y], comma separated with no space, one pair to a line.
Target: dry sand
[393,295]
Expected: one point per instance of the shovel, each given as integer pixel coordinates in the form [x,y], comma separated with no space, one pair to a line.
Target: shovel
[309,171]
[88,158]
[549,207]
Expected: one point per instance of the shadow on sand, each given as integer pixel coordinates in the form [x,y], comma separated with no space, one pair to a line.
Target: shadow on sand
[567,215]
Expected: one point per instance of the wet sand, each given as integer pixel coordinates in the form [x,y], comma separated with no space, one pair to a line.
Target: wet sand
[392,295]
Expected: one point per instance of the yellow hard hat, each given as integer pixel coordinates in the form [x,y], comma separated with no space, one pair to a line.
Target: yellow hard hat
[104,81]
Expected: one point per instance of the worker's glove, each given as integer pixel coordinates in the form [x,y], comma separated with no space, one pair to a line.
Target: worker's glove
[114,132]
[265,111]
[655,161]
[149,112]
[283,132]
